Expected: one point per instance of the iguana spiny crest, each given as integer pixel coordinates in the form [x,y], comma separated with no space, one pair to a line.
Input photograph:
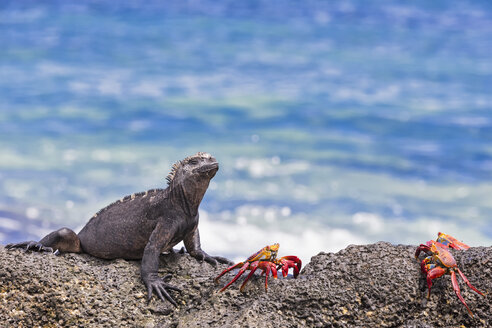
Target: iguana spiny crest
[188,161]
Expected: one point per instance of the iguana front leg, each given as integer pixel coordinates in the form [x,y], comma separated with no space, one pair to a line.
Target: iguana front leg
[192,244]
[159,239]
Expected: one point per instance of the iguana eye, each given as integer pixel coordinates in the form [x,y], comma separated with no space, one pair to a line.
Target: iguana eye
[193,161]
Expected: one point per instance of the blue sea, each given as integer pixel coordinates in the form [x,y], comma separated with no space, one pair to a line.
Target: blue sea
[334,122]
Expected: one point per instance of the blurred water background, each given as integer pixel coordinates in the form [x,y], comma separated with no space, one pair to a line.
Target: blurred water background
[334,122]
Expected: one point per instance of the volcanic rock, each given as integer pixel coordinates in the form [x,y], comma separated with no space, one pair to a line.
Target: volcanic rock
[377,285]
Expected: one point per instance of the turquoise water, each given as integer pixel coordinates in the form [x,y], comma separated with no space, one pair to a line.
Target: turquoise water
[334,122]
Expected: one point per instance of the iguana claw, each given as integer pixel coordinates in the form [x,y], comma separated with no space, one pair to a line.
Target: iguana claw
[213,260]
[32,246]
[160,287]
[223,260]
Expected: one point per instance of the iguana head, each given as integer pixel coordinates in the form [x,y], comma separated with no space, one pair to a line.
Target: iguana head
[194,170]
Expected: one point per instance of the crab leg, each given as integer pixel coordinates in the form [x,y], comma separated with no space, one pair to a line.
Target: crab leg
[456,288]
[241,271]
[253,268]
[237,265]
[468,283]
[267,273]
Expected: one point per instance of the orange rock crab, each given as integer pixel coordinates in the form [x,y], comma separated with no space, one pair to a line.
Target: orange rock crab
[266,260]
[440,262]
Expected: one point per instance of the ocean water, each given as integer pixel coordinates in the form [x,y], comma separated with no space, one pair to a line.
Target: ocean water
[334,122]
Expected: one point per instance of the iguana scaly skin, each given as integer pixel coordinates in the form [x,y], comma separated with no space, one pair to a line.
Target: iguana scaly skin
[143,225]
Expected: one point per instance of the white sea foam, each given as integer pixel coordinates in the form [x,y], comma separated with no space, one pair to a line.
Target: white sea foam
[470,121]
[372,222]
[54,69]
[22,16]
[102,155]
[32,212]
[80,87]
[244,236]
[10,224]
[110,87]
[148,88]
[241,240]
[261,167]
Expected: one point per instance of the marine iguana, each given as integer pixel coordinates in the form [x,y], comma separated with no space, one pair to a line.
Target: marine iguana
[143,225]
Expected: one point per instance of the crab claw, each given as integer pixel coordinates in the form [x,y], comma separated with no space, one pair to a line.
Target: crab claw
[451,242]
[287,262]
[422,248]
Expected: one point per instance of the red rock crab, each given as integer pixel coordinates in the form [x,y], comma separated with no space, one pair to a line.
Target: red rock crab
[440,262]
[266,260]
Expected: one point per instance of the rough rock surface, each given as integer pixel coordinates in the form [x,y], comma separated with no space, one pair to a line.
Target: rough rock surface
[376,285]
